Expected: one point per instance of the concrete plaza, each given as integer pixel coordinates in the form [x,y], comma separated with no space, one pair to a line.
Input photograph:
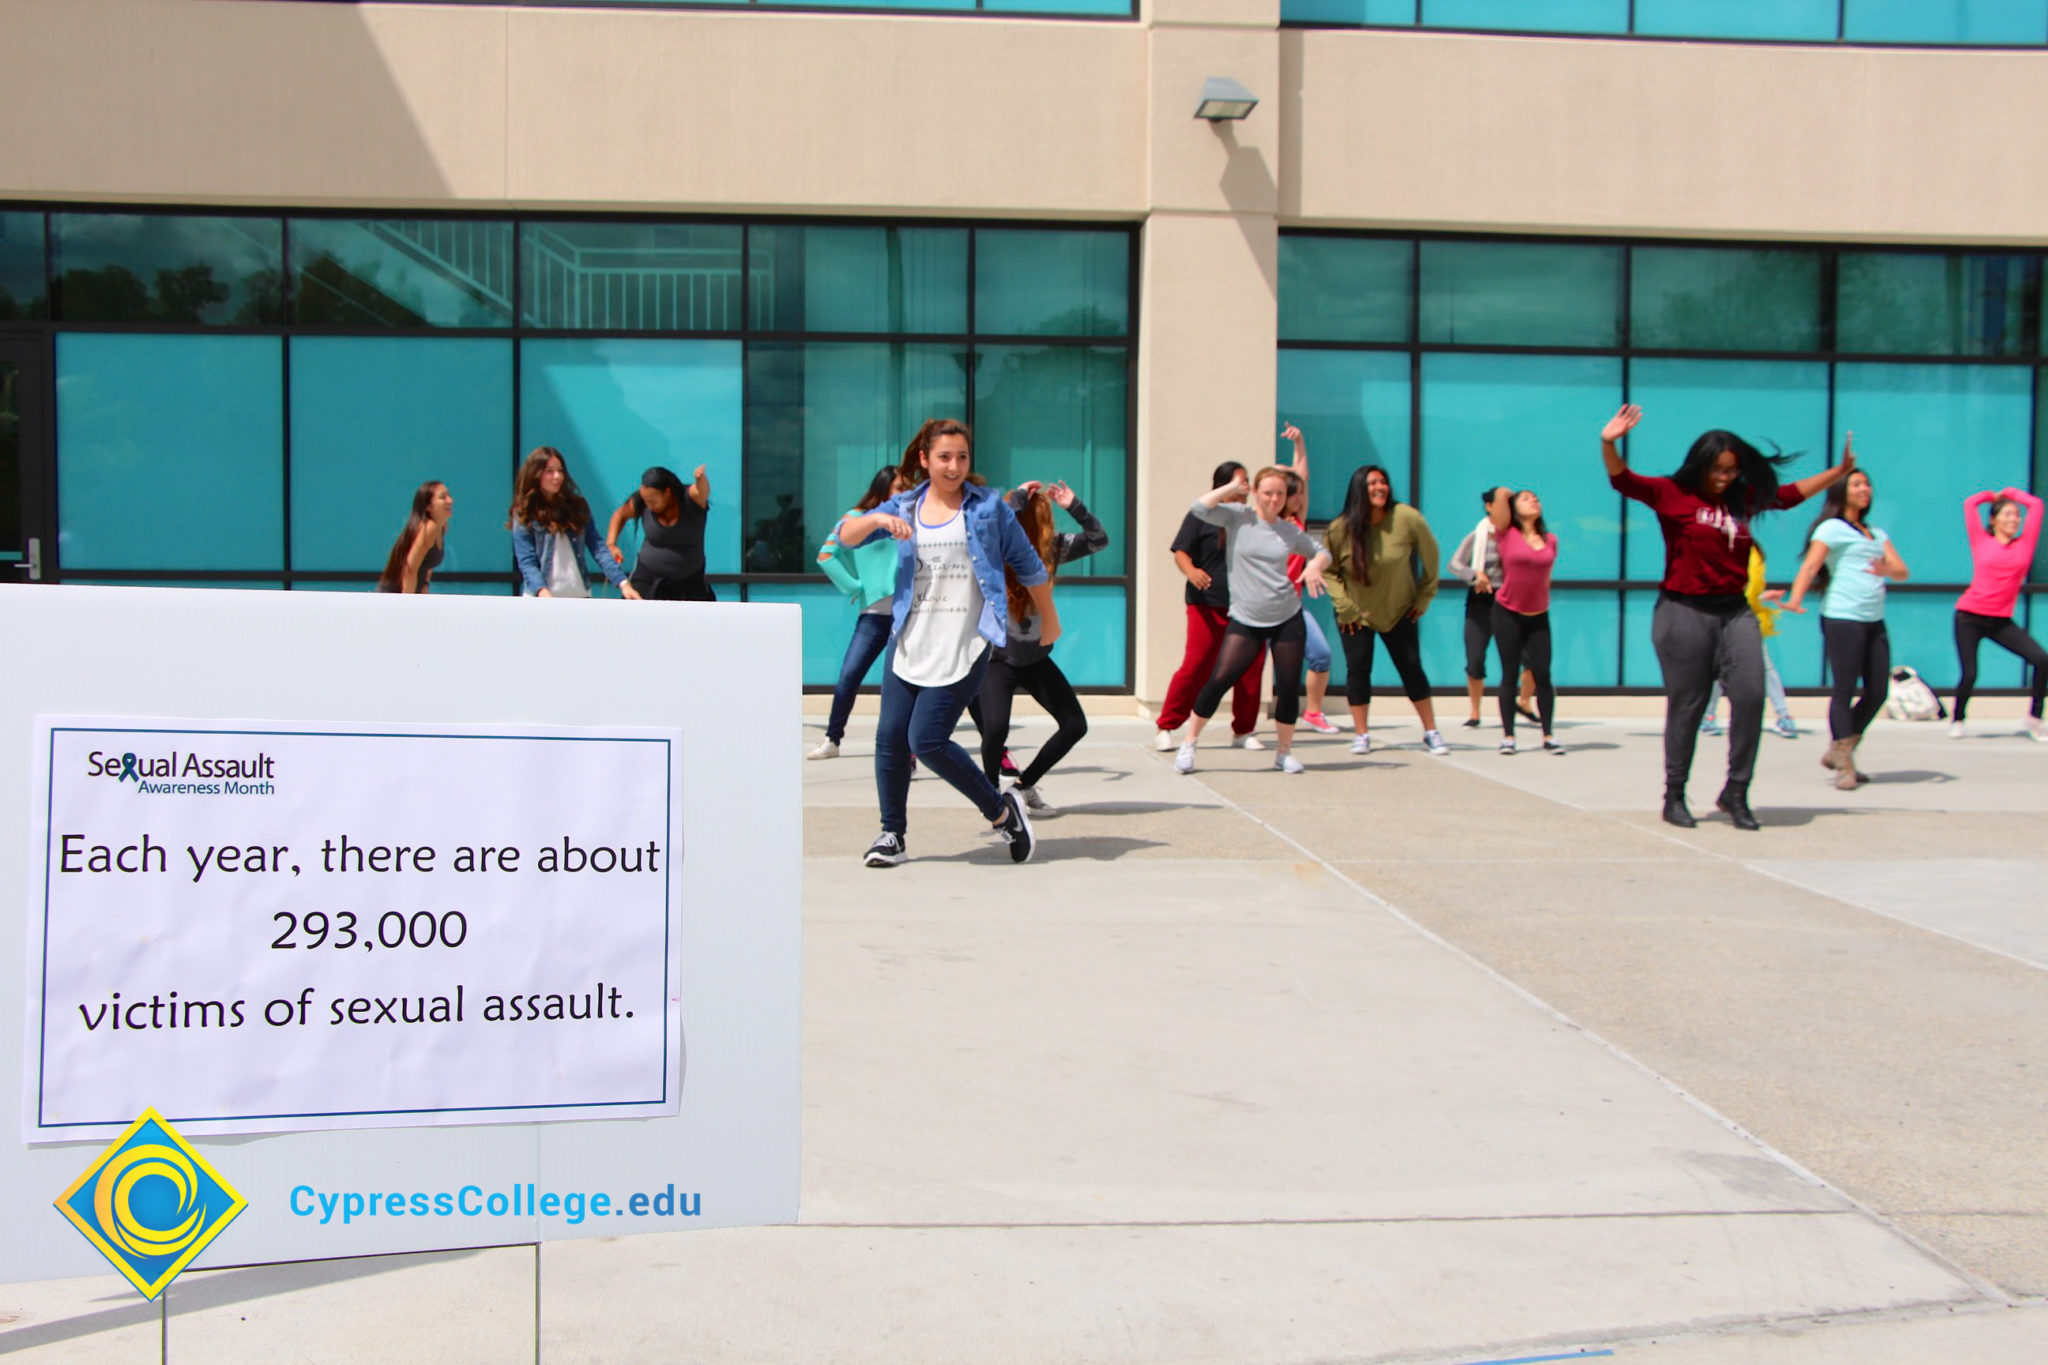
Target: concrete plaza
[1401,1059]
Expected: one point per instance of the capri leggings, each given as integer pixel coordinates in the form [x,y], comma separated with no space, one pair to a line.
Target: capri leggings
[1242,645]
[1478,633]
[1404,647]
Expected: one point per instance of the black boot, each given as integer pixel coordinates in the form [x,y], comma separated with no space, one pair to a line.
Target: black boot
[1734,799]
[1675,812]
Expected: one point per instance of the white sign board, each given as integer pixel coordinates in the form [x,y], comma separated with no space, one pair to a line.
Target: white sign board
[257,927]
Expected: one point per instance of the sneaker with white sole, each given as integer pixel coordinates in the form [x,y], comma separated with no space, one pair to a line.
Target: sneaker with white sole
[1165,741]
[1361,744]
[887,850]
[1433,740]
[1016,828]
[1288,763]
[1246,742]
[1507,744]
[1553,748]
[829,749]
[2036,731]
[1033,802]
[1787,727]
[1318,722]
[1955,729]
[1184,761]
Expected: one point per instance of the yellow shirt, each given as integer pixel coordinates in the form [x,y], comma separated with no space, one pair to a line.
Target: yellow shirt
[1766,617]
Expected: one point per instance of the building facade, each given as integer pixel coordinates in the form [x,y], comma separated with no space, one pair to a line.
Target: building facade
[267,265]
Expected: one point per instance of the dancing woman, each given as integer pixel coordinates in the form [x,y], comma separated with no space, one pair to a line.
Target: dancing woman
[1521,616]
[1476,562]
[868,576]
[2001,552]
[1703,628]
[1851,562]
[551,524]
[1200,553]
[420,546]
[670,566]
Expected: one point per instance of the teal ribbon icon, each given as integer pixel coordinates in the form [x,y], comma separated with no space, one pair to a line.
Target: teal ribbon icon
[128,769]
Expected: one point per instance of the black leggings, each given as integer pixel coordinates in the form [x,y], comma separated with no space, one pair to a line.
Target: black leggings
[1859,652]
[1049,688]
[1972,630]
[1404,647]
[1524,643]
[1240,647]
[1478,633]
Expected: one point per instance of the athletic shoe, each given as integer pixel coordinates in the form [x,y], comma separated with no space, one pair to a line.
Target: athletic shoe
[1017,828]
[1032,800]
[1184,761]
[1710,726]
[887,850]
[1522,710]
[1787,727]
[2036,731]
[1472,724]
[1361,743]
[1288,763]
[1164,741]
[829,749]
[1318,722]
[1507,744]
[1552,747]
[1246,742]
[1955,729]
[1009,765]
[1434,741]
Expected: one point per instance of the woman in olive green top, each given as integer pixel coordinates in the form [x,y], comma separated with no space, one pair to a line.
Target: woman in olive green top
[1380,561]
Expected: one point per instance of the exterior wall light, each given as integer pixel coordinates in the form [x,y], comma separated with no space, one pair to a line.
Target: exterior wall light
[1224,99]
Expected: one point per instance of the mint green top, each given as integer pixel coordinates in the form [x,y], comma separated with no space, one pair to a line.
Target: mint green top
[1854,593]
[866,573]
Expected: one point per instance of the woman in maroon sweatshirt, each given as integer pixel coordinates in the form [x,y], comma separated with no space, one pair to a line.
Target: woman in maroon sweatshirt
[1703,628]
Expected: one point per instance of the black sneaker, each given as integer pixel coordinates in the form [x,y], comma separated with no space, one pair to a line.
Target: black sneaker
[1016,828]
[887,850]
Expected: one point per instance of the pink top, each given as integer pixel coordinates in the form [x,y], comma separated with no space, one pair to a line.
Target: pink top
[1525,572]
[2001,565]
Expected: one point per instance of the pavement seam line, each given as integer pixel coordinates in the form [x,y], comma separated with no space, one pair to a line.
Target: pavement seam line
[1415,1221]
[1984,1288]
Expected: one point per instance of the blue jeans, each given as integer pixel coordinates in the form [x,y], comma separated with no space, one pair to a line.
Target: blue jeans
[920,720]
[1318,652]
[870,638]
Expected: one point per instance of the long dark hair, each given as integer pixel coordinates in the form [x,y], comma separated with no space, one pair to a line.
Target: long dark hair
[878,488]
[566,512]
[656,476]
[1357,518]
[1755,488]
[1835,503]
[1515,518]
[393,577]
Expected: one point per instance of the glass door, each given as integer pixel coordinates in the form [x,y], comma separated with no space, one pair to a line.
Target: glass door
[25,539]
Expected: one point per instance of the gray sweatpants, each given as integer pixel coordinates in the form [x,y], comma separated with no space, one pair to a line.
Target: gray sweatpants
[1696,647]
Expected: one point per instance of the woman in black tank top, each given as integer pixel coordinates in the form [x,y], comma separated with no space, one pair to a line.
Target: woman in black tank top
[670,566]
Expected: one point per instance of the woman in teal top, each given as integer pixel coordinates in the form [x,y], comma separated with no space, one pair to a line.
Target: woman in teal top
[868,576]
[1853,562]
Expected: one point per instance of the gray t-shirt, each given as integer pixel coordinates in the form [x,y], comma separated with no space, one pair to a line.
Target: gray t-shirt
[1261,594]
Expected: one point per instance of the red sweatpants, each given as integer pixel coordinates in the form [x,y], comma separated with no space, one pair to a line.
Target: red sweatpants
[1205,636]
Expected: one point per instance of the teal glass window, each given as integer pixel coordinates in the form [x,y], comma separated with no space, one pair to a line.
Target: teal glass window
[1946,21]
[1724,299]
[1527,420]
[1529,16]
[1639,666]
[616,406]
[1345,288]
[1106,8]
[822,418]
[1058,412]
[1353,409]
[1363,12]
[399,272]
[170,451]
[1584,623]
[858,279]
[23,284]
[632,277]
[1052,282]
[1520,294]
[1773,404]
[827,626]
[1786,20]
[373,418]
[1930,435]
[146,267]
[1937,303]
[1093,628]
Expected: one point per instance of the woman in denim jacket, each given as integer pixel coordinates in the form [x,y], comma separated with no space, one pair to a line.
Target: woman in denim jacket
[549,519]
[954,539]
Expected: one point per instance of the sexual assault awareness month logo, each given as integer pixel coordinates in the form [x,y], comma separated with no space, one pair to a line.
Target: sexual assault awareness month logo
[150,1203]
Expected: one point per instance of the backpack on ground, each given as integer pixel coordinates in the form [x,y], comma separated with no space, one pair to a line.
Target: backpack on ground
[1911,698]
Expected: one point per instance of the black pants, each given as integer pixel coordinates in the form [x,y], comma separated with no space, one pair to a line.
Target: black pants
[1859,653]
[1049,688]
[1241,646]
[694,588]
[1972,630]
[1524,643]
[1699,640]
[1404,647]
[1478,633]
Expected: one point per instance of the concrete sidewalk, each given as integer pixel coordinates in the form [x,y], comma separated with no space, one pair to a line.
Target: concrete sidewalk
[1405,1059]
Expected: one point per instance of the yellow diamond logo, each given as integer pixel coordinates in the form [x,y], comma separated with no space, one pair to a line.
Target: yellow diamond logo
[150,1203]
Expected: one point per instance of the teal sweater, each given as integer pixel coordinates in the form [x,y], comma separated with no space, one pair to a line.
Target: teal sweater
[866,573]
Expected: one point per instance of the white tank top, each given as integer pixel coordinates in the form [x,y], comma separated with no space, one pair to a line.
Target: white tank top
[941,635]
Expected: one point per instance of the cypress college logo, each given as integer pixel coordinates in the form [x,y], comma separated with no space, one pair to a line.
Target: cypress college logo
[150,1203]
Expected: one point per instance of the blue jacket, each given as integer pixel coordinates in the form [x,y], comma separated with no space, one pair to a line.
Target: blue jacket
[994,540]
[532,544]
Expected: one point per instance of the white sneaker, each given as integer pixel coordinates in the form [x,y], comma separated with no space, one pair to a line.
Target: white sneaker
[829,749]
[1184,761]
[1433,740]
[1361,743]
[2036,731]
[1955,729]
[1288,763]
[1507,744]
[1246,742]
[1165,741]
[1033,802]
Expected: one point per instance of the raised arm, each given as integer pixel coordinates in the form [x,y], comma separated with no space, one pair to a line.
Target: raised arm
[1618,426]
[700,488]
[1291,432]
[1208,507]
[2030,531]
[1091,537]
[1828,478]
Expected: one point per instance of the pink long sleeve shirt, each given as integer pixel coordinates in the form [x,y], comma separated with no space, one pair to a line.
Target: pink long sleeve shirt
[2001,566]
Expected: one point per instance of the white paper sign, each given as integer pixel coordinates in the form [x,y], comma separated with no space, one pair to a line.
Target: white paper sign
[260,927]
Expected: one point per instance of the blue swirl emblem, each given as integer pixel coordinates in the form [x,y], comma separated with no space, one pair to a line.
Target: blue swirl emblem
[150,1203]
